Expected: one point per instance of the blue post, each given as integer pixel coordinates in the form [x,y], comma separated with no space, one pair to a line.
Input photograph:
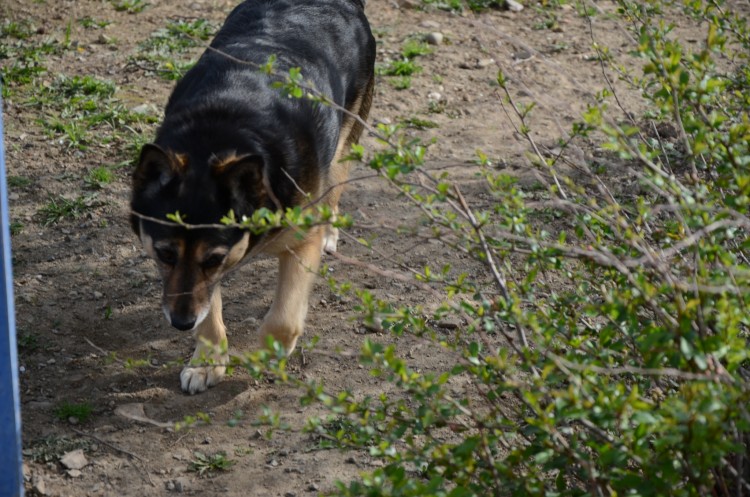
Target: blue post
[11,464]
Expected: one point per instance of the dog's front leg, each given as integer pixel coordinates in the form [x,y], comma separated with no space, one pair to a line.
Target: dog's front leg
[298,267]
[209,361]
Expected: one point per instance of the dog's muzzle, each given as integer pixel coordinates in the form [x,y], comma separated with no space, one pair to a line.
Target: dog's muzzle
[182,324]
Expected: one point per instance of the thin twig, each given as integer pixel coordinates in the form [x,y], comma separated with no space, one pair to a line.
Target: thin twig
[118,449]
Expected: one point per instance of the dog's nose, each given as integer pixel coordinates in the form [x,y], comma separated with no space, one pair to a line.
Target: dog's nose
[183,324]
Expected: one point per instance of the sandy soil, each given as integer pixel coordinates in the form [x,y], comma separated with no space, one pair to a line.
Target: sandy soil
[88,298]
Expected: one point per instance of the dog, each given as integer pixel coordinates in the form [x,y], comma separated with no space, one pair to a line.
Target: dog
[232,141]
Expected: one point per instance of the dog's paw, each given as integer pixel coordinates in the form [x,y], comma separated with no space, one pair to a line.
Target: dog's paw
[196,379]
[285,336]
[330,239]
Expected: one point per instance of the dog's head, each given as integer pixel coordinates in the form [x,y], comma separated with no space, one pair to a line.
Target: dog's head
[192,260]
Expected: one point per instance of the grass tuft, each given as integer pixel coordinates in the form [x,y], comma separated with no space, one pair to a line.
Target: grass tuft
[206,464]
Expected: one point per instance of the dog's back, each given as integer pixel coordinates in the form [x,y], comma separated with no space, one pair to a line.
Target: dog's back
[226,103]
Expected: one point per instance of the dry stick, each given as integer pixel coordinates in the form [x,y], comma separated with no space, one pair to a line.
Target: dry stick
[695,238]
[680,127]
[531,141]
[661,145]
[540,56]
[604,71]
[392,274]
[593,4]
[384,272]
[658,372]
[499,278]
[104,352]
[118,449]
[189,226]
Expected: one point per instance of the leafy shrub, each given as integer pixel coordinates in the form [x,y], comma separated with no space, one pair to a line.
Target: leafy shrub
[605,354]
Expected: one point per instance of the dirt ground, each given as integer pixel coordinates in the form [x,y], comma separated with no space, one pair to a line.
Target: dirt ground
[88,297]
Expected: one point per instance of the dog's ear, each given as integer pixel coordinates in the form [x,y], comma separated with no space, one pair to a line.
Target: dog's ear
[243,177]
[155,169]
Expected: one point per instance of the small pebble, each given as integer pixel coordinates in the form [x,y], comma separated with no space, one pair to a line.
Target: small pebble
[180,484]
[513,6]
[142,109]
[39,486]
[434,38]
[74,459]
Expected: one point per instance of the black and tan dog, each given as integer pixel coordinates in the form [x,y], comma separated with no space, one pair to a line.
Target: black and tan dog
[232,142]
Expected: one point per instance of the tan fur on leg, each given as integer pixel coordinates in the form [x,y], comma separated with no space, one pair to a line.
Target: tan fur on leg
[210,338]
[298,267]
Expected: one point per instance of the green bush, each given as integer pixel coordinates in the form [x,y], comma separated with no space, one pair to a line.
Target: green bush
[604,354]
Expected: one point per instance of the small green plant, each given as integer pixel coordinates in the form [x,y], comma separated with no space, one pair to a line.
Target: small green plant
[162,52]
[16,228]
[436,106]
[18,181]
[72,134]
[81,87]
[454,5]
[129,6]
[85,105]
[414,48]
[243,451]
[418,123]
[27,342]
[206,464]
[335,431]
[480,5]
[402,70]
[81,412]
[91,23]
[18,30]
[27,63]
[401,83]
[197,30]
[59,208]
[547,20]
[402,67]
[459,5]
[99,177]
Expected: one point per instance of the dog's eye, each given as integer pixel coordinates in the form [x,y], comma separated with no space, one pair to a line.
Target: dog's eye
[167,256]
[213,261]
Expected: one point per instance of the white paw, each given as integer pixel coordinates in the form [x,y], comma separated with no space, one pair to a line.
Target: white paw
[196,379]
[330,239]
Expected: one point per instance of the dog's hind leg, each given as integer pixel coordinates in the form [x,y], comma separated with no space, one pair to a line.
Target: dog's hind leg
[208,364]
[351,130]
[298,267]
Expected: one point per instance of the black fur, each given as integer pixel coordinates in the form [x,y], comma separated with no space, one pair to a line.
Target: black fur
[224,106]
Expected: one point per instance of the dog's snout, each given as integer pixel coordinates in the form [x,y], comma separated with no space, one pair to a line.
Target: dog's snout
[182,324]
